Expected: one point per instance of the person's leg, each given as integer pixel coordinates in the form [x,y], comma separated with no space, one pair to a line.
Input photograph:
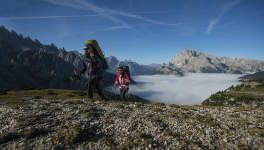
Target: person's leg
[90,89]
[122,94]
[98,88]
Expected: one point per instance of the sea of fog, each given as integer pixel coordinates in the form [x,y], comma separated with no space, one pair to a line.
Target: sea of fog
[191,89]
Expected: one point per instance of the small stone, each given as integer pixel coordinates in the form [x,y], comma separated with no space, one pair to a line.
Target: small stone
[149,146]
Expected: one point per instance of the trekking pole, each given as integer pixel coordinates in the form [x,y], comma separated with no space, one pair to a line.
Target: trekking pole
[81,87]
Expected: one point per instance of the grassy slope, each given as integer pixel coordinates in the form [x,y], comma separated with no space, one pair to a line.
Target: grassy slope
[255,76]
[250,92]
[17,98]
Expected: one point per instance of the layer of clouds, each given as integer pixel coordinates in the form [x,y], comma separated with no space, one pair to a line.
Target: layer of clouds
[188,90]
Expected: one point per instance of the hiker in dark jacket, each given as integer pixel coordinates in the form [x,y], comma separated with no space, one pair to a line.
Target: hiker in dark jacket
[123,80]
[92,66]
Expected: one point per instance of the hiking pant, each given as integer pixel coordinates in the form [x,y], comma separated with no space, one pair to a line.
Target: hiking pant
[94,83]
[123,92]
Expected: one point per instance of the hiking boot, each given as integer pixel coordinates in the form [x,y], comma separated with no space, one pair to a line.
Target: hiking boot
[102,98]
[91,98]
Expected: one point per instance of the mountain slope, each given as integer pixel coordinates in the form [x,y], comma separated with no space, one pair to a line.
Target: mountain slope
[259,76]
[196,61]
[249,93]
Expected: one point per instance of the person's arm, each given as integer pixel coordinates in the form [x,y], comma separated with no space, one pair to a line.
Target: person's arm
[84,68]
[82,71]
[116,80]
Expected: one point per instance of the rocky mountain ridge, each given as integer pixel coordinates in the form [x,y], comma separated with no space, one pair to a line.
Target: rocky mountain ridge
[135,68]
[26,63]
[197,61]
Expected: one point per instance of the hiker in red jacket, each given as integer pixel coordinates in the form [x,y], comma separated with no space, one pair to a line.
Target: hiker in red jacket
[123,80]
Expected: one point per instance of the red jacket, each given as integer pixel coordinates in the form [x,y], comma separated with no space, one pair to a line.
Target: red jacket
[122,81]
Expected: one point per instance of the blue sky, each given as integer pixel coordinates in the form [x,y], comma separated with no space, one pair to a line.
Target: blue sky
[146,31]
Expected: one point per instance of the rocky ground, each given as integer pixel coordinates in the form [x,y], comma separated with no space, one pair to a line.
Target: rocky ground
[92,124]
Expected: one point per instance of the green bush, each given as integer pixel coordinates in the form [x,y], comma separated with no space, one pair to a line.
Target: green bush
[75,134]
[9,137]
[34,132]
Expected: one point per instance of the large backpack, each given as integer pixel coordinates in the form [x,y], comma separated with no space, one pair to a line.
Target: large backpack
[126,70]
[97,65]
[98,52]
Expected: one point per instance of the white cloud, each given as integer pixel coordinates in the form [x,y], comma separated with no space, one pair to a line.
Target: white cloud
[109,29]
[188,90]
[227,7]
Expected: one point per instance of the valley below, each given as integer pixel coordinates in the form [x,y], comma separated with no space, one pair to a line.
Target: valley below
[190,89]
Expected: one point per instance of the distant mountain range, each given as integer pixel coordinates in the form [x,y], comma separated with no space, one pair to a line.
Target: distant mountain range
[196,61]
[135,68]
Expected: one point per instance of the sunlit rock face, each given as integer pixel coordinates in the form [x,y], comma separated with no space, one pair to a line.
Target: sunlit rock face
[196,61]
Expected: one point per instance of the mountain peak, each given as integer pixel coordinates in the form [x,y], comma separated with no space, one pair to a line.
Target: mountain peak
[112,58]
[3,28]
[189,52]
[197,61]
